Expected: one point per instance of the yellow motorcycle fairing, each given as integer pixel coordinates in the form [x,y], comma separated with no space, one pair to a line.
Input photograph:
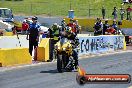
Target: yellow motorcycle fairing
[65,47]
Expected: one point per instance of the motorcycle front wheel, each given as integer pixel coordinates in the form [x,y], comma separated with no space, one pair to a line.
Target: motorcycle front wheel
[59,63]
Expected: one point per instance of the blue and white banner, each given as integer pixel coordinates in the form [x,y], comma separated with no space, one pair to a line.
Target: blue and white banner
[98,44]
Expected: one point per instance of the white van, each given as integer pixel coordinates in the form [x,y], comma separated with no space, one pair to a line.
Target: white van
[6,15]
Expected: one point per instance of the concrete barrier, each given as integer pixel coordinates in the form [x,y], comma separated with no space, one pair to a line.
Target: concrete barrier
[12,44]
[8,34]
[43,50]
[10,51]
[16,56]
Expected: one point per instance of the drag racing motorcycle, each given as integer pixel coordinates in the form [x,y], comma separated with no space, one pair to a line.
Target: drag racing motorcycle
[64,55]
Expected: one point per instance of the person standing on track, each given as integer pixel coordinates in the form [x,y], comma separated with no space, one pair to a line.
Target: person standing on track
[33,33]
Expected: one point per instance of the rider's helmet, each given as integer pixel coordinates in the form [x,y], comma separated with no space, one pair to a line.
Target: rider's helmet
[55,25]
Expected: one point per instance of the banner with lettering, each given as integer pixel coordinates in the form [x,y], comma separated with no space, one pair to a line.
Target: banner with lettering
[98,44]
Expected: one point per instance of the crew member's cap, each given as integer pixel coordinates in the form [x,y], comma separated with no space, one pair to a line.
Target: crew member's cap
[35,18]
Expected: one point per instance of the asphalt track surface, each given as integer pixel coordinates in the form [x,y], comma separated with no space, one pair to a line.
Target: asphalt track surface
[46,75]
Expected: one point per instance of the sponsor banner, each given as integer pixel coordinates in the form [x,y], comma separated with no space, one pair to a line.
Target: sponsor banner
[98,44]
[103,78]
[82,78]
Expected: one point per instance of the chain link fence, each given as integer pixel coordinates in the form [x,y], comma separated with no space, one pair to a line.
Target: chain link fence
[49,9]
